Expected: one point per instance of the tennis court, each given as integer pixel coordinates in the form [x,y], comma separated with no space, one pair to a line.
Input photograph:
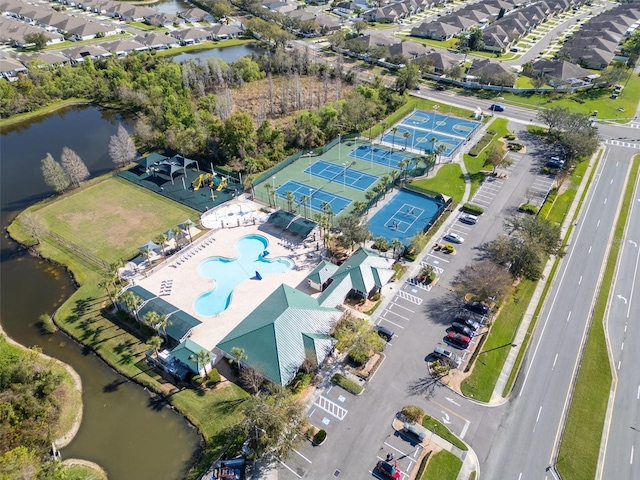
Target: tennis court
[406,214]
[343,175]
[317,197]
[381,156]
[427,130]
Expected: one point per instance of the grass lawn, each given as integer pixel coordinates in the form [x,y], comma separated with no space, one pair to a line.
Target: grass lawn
[112,218]
[443,465]
[582,102]
[448,181]
[451,43]
[523,82]
[480,384]
[439,429]
[475,165]
[83,472]
[580,446]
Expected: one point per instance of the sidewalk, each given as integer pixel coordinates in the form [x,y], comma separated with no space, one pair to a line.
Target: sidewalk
[497,397]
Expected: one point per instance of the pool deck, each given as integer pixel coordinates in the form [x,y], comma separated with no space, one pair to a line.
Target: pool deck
[187,285]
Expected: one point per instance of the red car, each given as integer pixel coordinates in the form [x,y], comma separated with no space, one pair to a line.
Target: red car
[388,471]
[458,340]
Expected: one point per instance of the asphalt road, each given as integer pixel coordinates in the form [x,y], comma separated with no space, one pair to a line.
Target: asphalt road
[533,422]
[622,450]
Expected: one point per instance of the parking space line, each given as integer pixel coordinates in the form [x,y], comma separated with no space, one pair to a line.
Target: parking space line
[401,306]
[396,449]
[288,467]
[397,315]
[301,455]
[393,323]
[408,296]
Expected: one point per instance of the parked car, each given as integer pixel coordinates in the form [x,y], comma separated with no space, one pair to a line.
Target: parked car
[477,307]
[496,108]
[388,471]
[384,332]
[463,329]
[469,322]
[457,340]
[447,356]
[554,162]
[453,238]
[440,88]
[469,219]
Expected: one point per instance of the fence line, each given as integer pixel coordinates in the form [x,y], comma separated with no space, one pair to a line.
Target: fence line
[79,250]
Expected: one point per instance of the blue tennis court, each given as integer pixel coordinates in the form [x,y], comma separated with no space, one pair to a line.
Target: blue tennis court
[342,175]
[381,156]
[428,130]
[318,197]
[406,214]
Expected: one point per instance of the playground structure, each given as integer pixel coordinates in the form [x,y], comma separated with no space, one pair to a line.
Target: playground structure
[208,180]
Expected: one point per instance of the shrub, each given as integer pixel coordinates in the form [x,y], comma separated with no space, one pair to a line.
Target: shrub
[482,143]
[349,385]
[359,356]
[472,209]
[46,322]
[510,136]
[197,380]
[319,437]
[300,382]
[413,413]
[515,147]
[213,376]
[375,297]
[528,208]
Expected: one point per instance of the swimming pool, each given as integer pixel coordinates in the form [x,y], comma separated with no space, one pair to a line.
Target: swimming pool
[228,273]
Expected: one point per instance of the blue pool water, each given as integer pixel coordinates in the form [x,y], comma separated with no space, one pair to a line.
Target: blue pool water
[228,273]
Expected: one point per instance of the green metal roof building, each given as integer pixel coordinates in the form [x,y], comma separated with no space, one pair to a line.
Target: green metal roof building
[279,334]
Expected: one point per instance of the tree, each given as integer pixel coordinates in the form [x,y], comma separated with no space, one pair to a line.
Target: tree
[290,198]
[74,167]
[360,25]
[496,157]
[238,356]
[273,422]
[304,200]
[381,244]
[54,175]
[132,302]
[407,78]
[252,379]
[553,117]
[359,207]
[38,39]
[484,280]
[202,359]
[474,41]
[394,130]
[160,240]
[352,232]
[406,136]
[270,192]
[154,343]
[398,247]
[162,324]
[122,150]
[32,225]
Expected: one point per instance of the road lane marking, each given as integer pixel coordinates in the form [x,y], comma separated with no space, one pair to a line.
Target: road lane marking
[611,182]
[638,396]
[331,407]
[580,281]
[622,347]
[520,476]
[569,316]
[554,362]
[399,451]
[590,248]
[633,282]
[598,224]
[631,459]
[625,327]
[464,429]
[539,412]
[619,363]
[605,201]
[302,455]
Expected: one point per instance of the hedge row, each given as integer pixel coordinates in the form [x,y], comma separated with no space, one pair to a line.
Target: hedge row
[472,209]
[482,143]
[349,385]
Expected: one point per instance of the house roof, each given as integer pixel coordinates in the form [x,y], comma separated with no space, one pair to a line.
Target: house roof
[279,333]
[362,271]
[191,33]
[560,69]
[8,64]
[185,352]
[408,49]
[442,61]
[487,66]
[322,272]
[155,39]
[47,58]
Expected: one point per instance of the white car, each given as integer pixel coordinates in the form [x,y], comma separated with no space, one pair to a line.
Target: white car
[453,238]
[469,219]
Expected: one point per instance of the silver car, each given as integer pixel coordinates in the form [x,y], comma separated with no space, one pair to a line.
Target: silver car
[469,219]
[453,238]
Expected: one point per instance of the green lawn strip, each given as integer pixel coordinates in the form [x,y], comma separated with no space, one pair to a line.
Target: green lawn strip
[475,165]
[523,82]
[448,181]
[83,472]
[451,43]
[147,27]
[69,43]
[580,444]
[444,465]
[439,429]
[349,385]
[51,107]
[556,213]
[480,384]
[99,216]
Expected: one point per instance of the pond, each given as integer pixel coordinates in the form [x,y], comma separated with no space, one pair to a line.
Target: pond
[122,429]
[226,54]
[170,6]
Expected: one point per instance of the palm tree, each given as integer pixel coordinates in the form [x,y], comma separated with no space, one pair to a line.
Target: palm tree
[290,198]
[238,356]
[177,233]
[398,246]
[132,302]
[304,199]
[160,240]
[162,324]
[146,252]
[439,150]
[394,130]
[202,358]
[269,188]
[110,281]
[406,136]
[151,318]
[359,207]
[154,343]
[404,164]
[433,142]
[318,219]
[385,180]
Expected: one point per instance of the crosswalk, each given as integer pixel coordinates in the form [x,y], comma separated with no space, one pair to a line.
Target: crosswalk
[411,298]
[619,143]
[331,407]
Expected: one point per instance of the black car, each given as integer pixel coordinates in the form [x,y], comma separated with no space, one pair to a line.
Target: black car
[469,322]
[555,162]
[477,307]
[462,328]
[496,108]
[384,332]
[440,88]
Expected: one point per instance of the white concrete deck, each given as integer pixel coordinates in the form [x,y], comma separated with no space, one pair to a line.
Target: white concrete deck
[181,284]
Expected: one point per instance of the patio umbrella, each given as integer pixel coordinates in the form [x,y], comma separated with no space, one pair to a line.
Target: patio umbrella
[148,246]
[186,225]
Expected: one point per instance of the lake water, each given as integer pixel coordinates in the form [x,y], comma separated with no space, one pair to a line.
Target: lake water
[170,6]
[227,54]
[122,429]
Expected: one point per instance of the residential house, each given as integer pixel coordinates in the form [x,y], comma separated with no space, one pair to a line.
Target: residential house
[121,48]
[158,41]
[279,6]
[164,20]
[83,52]
[223,32]
[495,39]
[435,30]
[443,61]
[559,72]
[89,30]
[191,36]
[130,13]
[463,23]
[373,40]
[363,274]
[320,277]
[328,23]
[494,73]
[286,329]
[10,68]
[194,15]
[45,59]
[409,50]
[346,8]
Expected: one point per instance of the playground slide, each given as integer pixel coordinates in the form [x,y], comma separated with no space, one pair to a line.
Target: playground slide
[197,183]
[223,184]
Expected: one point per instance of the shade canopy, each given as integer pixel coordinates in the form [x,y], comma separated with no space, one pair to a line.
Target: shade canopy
[148,246]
